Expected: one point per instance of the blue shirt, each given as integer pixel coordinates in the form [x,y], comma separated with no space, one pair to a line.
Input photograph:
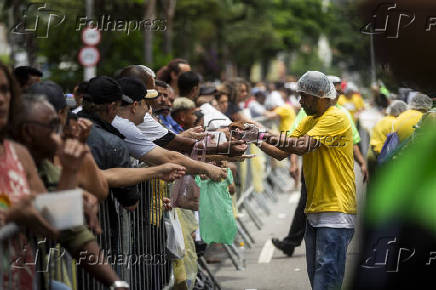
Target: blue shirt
[170,124]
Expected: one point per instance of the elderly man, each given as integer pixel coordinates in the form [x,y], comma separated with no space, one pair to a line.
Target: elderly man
[154,131]
[325,140]
[131,113]
[43,145]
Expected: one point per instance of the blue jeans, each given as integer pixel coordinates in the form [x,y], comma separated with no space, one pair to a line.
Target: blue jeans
[326,251]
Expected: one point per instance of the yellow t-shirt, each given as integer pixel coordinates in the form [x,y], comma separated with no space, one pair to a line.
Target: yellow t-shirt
[380,132]
[353,105]
[287,117]
[329,170]
[405,122]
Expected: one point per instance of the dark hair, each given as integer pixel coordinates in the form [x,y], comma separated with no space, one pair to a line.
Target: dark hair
[22,74]
[164,74]
[232,87]
[260,94]
[381,101]
[162,84]
[15,101]
[220,93]
[187,81]
[82,88]
[199,115]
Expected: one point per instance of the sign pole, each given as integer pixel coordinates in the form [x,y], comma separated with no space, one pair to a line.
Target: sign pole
[89,71]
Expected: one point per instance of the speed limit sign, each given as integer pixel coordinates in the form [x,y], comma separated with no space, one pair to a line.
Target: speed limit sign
[91,37]
[89,56]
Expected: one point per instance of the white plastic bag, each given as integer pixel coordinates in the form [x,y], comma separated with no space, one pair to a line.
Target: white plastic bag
[175,241]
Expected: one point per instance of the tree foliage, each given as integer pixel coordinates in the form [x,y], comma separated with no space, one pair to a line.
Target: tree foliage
[211,34]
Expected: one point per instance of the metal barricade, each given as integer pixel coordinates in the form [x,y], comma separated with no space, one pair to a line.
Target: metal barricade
[134,242]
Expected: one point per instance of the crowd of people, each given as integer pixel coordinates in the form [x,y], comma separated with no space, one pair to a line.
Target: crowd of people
[115,132]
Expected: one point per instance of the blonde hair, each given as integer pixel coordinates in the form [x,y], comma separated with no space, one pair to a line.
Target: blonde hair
[182,104]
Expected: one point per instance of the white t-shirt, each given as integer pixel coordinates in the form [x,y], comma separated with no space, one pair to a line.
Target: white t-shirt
[256,109]
[138,143]
[331,220]
[151,128]
[274,100]
[78,109]
[210,113]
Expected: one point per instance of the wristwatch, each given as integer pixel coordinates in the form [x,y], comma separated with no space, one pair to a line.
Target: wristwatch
[119,284]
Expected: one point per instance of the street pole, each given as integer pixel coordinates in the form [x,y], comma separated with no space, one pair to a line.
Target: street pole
[89,71]
[373,68]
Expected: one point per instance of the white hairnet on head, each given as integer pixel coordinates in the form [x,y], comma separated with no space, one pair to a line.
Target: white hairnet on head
[316,84]
[396,108]
[334,79]
[421,102]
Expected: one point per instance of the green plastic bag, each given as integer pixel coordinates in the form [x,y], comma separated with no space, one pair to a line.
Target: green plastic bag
[217,223]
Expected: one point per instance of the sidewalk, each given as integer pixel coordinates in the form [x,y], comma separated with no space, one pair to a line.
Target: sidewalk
[268,268]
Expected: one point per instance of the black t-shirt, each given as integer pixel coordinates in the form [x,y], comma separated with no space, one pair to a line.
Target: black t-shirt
[109,151]
[232,109]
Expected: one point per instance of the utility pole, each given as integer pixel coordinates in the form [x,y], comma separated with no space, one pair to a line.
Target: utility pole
[89,71]
[373,68]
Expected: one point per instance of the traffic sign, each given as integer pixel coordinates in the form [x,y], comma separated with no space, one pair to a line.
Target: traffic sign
[89,56]
[90,36]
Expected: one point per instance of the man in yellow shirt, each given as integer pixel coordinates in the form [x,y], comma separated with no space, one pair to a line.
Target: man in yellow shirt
[386,125]
[353,102]
[404,125]
[325,139]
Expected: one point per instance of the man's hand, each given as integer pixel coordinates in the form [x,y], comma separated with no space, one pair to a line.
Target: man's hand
[91,209]
[167,203]
[237,147]
[24,214]
[294,171]
[71,154]
[364,172]
[85,126]
[196,133]
[170,171]
[216,173]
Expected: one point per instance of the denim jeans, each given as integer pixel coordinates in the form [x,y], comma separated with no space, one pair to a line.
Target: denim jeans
[326,251]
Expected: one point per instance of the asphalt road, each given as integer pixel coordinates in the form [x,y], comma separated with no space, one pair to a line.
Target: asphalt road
[268,268]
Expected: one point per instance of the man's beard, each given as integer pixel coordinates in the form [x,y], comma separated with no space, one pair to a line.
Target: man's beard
[165,110]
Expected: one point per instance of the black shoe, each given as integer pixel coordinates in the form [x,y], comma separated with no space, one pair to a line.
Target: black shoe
[284,247]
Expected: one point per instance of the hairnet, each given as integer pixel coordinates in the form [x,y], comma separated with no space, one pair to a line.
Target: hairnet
[316,84]
[334,79]
[421,102]
[396,108]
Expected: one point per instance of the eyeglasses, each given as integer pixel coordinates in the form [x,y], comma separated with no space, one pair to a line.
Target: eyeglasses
[54,125]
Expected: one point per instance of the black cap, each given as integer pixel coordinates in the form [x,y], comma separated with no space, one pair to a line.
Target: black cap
[133,90]
[104,90]
[52,91]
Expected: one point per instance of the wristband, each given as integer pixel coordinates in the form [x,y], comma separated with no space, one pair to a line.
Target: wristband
[260,139]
